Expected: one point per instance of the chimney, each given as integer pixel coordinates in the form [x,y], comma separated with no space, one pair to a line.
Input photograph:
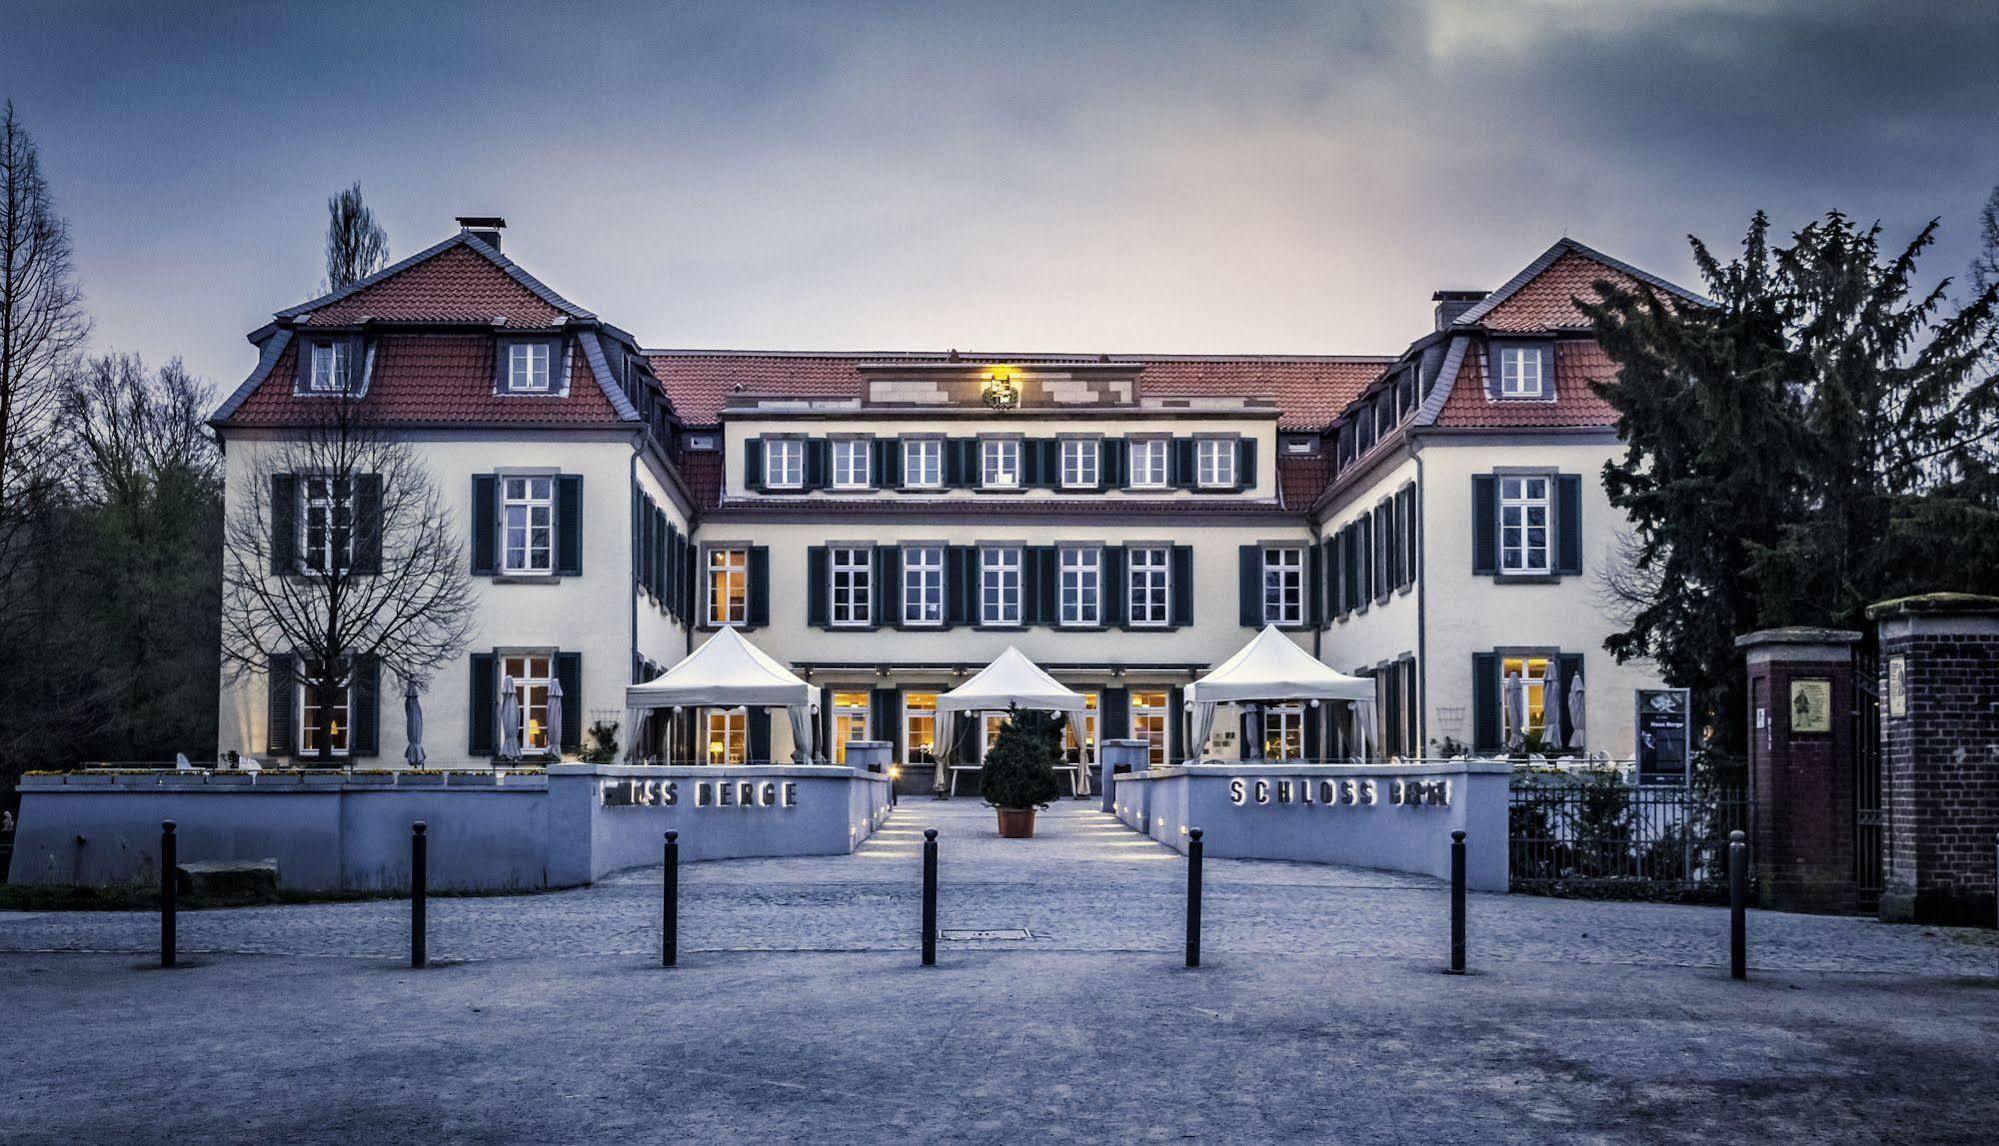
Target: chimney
[1452,303]
[485,228]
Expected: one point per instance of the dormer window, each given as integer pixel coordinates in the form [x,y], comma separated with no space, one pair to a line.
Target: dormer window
[1523,371]
[332,367]
[527,367]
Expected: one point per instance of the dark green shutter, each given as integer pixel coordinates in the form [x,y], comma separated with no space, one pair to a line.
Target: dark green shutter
[759,605]
[479,712]
[958,469]
[1113,716]
[759,726]
[485,531]
[753,463]
[1329,579]
[1484,524]
[815,586]
[1111,591]
[1364,559]
[1180,469]
[1485,702]
[569,525]
[1568,523]
[1315,587]
[888,462]
[1048,590]
[888,586]
[1176,727]
[1390,685]
[1383,539]
[1183,586]
[1245,463]
[1113,463]
[1315,748]
[961,584]
[1249,586]
[366,715]
[278,738]
[284,523]
[569,670]
[368,523]
[818,466]
[885,714]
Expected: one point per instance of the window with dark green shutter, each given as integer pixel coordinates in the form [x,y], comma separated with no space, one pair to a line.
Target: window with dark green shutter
[1568,523]
[1484,524]
[1485,703]
[485,526]
[481,714]
[569,525]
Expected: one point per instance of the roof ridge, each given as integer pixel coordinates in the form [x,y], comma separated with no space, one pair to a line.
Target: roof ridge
[512,269]
[1565,245]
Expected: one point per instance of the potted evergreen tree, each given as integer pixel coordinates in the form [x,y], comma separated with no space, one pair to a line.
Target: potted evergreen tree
[1018,773]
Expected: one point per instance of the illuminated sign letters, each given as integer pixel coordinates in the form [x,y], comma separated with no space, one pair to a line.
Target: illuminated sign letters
[641,793]
[1333,793]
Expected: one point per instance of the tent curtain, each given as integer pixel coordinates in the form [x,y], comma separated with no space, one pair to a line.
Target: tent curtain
[801,733]
[1363,712]
[1204,724]
[636,720]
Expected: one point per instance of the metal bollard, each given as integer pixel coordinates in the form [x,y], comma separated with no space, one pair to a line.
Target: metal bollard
[930,897]
[1457,901]
[169,891]
[419,877]
[669,924]
[1194,897]
[1738,905]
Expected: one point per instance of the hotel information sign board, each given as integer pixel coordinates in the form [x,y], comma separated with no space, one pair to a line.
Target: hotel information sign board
[1665,736]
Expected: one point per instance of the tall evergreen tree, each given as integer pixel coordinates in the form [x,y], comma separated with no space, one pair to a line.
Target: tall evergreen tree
[356,246]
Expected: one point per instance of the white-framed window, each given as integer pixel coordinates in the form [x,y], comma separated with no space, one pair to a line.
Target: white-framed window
[1081,572]
[332,367]
[1080,462]
[527,367]
[923,463]
[326,524]
[850,463]
[1079,735]
[527,520]
[923,585]
[531,673]
[1149,713]
[850,721]
[850,569]
[1149,598]
[1523,523]
[1520,372]
[1148,463]
[1284,732]
[999,463]
[1532,673]
[728,736]
[999,585]
[784,463]
[990,725]
[331,722]
[728,587]
[1283,585]
[1214,462]
[919,727]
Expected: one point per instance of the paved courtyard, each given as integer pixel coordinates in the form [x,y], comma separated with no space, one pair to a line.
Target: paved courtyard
[799,1012]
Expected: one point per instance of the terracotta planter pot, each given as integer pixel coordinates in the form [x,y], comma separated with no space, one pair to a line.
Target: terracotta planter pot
[1016,823]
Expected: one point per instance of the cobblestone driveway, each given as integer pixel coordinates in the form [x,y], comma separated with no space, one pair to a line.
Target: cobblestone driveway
[1084,884]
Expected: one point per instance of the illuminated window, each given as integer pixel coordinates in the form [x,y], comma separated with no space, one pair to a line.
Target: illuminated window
[1079,462]
[923,585]
[531,676]
[919,727]
[728,739]
[990,724]
[527,367]
[850,722]
[314,721]
[1214,460]
[1148,463]
[728,586]
[1148,602]
[784,463]
[1082,585]
[1149,713]
[1523,524]
[1284,732]
[999,585]
[1079,736]
[851,572]
[923,463]
[1533,672]
[999,463]
[527,508]
[850,463]
[326,525]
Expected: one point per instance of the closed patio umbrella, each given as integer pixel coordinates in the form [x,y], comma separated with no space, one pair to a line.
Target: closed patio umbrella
[1516,710]
[413,725]
[555,719]
[510,720]
[1552,714]
[1576,709]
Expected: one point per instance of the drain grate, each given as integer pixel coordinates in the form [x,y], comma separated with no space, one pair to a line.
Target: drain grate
[964,934]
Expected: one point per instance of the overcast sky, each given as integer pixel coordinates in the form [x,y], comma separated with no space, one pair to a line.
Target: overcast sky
[1230,177]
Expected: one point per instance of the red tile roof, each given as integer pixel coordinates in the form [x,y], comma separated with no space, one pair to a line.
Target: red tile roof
[703,474]
[1308,391]
[1546,302]
[1578,362]
[439,378]
[454,285]
[1300,480]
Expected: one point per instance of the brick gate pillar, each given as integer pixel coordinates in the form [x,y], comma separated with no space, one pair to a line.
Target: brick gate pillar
[1939,756]
[1801,767]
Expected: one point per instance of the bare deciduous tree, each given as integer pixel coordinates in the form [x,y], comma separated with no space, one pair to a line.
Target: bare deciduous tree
[42,326]
[341,559]
[356,246]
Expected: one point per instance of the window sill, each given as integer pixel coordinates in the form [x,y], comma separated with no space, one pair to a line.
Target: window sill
[526,578]
[1527,578]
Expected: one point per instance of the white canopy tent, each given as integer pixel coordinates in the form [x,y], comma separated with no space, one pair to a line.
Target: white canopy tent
[1011,680]
[1273,667]
[727,671]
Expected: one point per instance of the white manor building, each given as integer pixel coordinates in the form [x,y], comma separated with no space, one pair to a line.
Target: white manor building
[887,523]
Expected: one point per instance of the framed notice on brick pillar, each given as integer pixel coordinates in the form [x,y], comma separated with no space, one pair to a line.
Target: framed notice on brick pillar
[1665,736]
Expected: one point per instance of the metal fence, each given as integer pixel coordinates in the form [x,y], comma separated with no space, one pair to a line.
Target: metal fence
[1599,835]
